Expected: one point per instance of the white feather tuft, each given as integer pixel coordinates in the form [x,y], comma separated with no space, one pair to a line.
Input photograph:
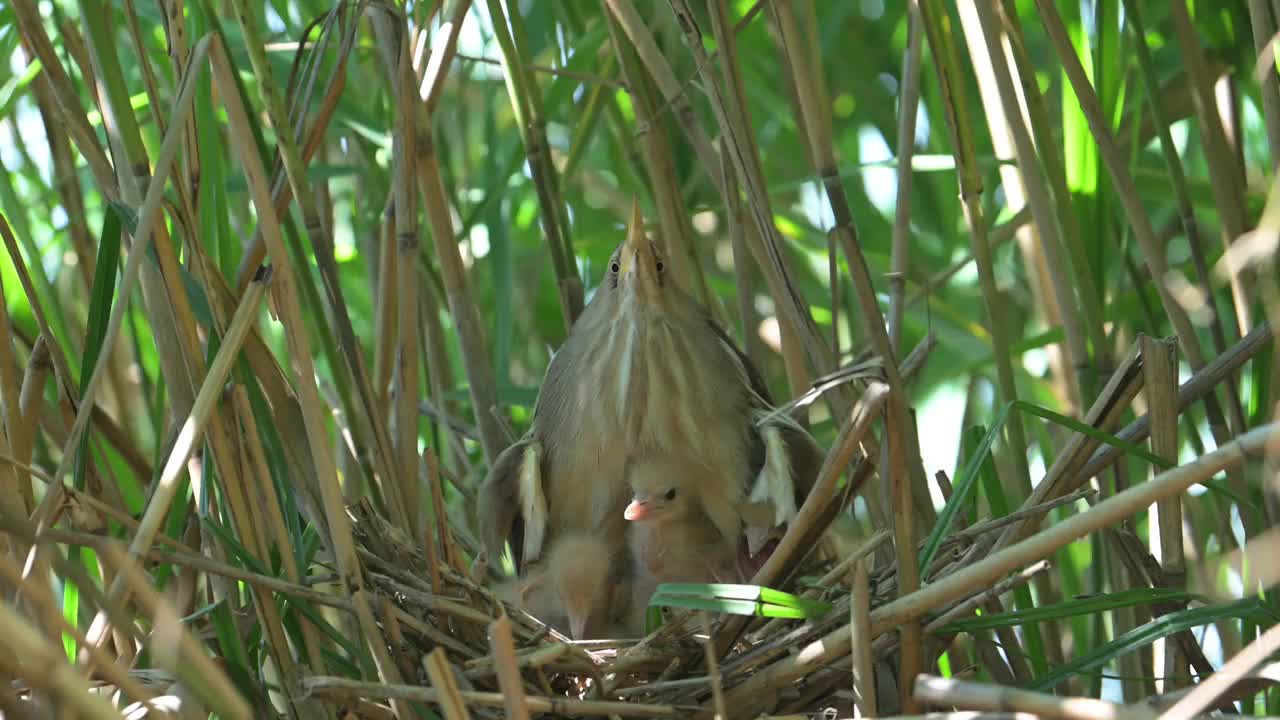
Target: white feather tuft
[533,504]
[774,483]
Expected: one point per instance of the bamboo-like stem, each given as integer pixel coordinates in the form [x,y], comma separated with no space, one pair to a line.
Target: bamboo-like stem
[864,681]
[304,372]
[987,46]
[1152,250]
[167,485]
[1264,27]
[148,216]
[1160,367]
[340,688]
[62,680]
[967,580]
[1050,154]
[320,239]
[31,26]
[405,511]
[908,108]
[441,674]
[944,57]
[738,141]
[951,693]
[504,654]
[1186,213]
[528,111]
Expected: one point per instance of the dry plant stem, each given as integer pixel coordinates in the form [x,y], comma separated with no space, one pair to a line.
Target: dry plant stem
[675,236]
[908,108]
[188,558]
[316,232]
[901,460]
[1223,173]
[147,218]
[1031,178]
[521,87]
[1264,27]
[738,142]
[53,674]
[965,581]
[167,486]
[67,99]
[713,668]
[441,674]
[405,512]
[509,680]
[37,595]
[339,688]
[1159,363]
[340,537]
[173,645]
[1186,212]
[864,680]
[1152,250]
[1202,382]
[1203,695]
[945,62]
[949,693]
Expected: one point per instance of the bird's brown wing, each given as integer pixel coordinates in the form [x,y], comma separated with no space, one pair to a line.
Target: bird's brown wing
[754,377]
[498,504]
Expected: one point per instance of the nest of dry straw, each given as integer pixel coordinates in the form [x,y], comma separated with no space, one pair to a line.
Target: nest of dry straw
[447,624]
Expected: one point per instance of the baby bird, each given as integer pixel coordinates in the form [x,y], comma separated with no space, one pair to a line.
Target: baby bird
[576,588]
[672,538]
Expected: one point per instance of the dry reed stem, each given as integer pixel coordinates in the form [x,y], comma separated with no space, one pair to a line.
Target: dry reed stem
[1203,381]
[509,680]
[303,367]
[945,692]
[28,650]
[147,217]
[962,146]
[1203,696]
[1106,513]
[340,688]
[441,674]
[172,644]
[68,101]
[1006,120]
[864,679]
[405,486]
[900,242]
[1159,364]
[38,597]
[167,486]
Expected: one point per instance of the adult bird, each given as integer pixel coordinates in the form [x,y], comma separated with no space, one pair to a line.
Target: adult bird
[645,371]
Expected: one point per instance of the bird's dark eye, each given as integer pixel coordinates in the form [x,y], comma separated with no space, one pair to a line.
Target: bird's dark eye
[613,267]
[659,266]
[671,494]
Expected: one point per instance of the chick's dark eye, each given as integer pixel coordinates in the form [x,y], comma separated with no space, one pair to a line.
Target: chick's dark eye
[613,267]
[671,494]
[659,266]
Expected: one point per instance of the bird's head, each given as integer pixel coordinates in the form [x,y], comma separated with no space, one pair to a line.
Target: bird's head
[653,504]
[636,268]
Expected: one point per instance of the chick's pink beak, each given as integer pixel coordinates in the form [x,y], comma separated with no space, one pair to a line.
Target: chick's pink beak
[637,510]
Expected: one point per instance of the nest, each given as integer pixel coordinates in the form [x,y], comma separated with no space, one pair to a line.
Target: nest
[692,662]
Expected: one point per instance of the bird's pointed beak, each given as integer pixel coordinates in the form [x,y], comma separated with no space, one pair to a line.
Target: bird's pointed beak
[637,263]
[637,510]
